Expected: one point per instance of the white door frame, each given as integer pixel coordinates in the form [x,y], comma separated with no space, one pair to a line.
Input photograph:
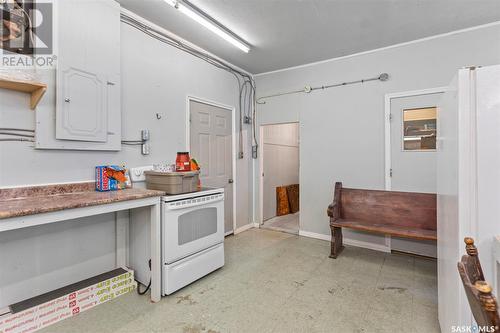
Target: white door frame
[387,117]
[190,98]
[261,168]
[261,178]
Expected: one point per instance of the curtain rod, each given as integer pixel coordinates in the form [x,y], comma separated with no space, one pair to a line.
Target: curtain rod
[308,89]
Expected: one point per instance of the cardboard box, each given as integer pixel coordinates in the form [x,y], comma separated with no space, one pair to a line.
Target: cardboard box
[53,311]
[104,182]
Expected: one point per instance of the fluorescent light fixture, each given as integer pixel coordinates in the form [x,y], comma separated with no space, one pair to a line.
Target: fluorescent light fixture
[212,25]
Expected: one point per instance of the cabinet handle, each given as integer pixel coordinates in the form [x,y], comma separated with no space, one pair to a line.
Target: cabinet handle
[110,83]
[67,100]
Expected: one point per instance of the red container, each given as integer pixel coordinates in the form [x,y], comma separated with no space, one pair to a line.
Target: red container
[183,162]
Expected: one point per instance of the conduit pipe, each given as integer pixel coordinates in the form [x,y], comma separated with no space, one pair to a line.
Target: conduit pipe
[309,89]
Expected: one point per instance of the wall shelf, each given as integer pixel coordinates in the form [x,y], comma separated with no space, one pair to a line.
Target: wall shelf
[36,89]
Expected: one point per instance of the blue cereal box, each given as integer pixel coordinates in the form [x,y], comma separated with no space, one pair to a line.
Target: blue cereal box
[110,178]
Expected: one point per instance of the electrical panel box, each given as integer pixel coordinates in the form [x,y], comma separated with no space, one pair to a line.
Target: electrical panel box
[87,81]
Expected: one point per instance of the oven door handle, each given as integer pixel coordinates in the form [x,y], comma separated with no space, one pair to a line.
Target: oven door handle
[175,206]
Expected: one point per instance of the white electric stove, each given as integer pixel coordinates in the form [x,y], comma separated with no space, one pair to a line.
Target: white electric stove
[192,228]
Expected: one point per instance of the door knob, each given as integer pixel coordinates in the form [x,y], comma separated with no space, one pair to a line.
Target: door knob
[67,100]
[230,181]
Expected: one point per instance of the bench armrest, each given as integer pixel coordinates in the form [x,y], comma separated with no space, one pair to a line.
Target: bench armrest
[331,210]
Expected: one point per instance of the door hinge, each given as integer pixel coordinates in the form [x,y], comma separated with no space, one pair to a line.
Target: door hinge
[390,116]
[390,172]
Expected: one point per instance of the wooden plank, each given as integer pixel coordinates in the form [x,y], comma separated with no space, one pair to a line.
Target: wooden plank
[406,209]
[36,89]
[36,96]
[19,85]
[393,230]
[282,205]
[292,192]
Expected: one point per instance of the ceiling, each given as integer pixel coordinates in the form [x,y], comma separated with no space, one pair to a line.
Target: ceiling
[285,33]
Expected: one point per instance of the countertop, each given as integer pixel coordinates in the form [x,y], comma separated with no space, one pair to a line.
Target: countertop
[24,201]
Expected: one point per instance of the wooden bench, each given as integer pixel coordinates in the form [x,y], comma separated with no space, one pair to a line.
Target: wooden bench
[401,214]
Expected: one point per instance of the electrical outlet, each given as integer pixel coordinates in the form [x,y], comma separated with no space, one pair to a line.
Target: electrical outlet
[240,155]
[137,174]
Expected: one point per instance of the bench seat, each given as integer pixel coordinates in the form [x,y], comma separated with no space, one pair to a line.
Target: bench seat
[387,229]
[400,214]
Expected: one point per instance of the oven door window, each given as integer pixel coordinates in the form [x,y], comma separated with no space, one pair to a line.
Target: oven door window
[197,224]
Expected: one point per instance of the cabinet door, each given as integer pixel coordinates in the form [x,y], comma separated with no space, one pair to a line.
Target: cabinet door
[82,115]
[88,35]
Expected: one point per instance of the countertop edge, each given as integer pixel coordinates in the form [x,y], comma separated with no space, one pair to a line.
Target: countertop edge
[139,194]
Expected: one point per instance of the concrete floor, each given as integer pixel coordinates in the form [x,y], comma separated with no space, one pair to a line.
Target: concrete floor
[277,282]
[286,223]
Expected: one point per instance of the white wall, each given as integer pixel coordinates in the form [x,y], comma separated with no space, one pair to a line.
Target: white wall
[281,162]
[342,129]
[156,78]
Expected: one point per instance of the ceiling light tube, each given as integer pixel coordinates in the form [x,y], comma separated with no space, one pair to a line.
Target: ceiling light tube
[211,25]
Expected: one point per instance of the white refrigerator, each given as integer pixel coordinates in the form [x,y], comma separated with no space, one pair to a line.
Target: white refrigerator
[468,184]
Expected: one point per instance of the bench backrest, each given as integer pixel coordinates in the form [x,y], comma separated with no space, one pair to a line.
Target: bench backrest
[479,293]
[402,209]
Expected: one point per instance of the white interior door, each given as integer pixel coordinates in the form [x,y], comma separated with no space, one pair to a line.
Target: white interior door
[211,145]
[413,156]
[413,139]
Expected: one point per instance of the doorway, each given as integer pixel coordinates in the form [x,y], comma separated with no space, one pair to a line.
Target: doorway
[211,142]
[411,144]
[410,140]
[280,177]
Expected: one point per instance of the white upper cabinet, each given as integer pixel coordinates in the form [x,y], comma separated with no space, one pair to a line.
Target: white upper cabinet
[88,72]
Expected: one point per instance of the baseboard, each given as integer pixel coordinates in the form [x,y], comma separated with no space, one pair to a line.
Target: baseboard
[367,245]
[347,241]
[314,235]
[244,228]
[256,225]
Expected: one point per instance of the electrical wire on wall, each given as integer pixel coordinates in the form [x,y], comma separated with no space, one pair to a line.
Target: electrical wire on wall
[309,89]
[246,83]
[16,139]
[11,135]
